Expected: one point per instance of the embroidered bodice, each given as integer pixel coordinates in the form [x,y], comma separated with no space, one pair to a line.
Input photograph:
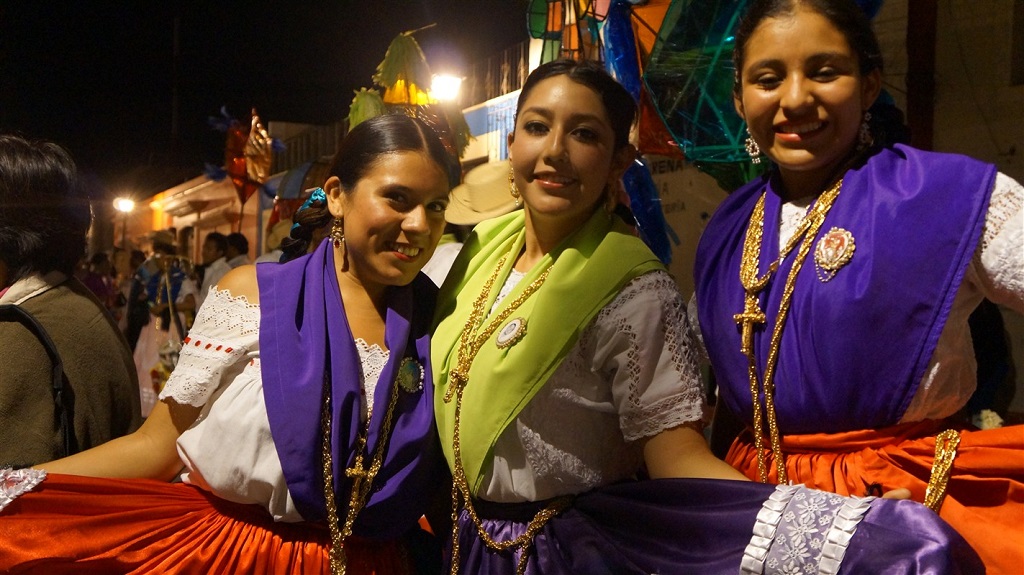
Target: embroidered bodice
[996,272]
[229,450]
[632,373]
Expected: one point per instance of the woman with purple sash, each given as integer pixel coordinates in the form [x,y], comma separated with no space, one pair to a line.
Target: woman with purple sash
[300,414]
[566,378]
[833,293]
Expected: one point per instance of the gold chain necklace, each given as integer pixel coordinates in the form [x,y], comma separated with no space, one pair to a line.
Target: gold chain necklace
[362,478]
[472,339]
[752,314]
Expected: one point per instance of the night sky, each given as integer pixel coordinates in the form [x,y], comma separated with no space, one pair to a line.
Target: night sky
[100,77]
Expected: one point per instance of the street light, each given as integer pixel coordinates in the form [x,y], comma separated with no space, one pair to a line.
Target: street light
[125,206]
[445,88]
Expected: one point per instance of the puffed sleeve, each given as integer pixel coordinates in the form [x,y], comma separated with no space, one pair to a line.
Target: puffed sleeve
[642,341]
[999,260]
[223,340]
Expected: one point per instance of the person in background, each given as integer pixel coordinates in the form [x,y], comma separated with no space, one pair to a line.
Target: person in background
[237,252]
[833,293]
[136,314]
[483,194]
[44,217]
[215,247]
[277,233]
[100,281]
[167,286]
[569,399]
[296,376]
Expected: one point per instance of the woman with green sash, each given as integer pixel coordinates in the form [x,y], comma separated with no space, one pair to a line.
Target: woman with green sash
[565,374]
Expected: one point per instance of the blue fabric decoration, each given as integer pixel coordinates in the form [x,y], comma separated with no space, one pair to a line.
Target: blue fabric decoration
[215,173]
[645,204]
[870,7]
[318,195]
[222,123]
[620,47]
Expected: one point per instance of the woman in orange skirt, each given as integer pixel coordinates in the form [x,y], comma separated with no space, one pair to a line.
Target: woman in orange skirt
[833,292]
[296,376]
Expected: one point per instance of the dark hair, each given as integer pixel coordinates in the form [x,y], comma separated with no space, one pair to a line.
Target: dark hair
[618,103]
[239,242]
[219,240]
[887,120]
[845,15]
[99,258]
[356,155]
[44,209]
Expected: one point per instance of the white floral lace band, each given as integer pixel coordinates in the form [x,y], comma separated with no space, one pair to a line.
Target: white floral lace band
[801,530]
[14,482]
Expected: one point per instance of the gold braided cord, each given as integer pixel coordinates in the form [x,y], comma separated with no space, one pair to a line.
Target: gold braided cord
[362,478]
[946,444]
[472,339]
[752,313]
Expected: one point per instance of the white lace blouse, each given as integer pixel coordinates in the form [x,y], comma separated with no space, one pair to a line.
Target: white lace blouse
[996,272]
[229,450]
[632,374]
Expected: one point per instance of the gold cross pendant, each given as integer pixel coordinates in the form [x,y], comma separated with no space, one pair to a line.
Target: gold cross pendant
[751,315]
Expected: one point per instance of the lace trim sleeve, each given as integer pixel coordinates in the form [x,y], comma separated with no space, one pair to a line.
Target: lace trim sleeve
[642,338]
[998,259]
[226,329]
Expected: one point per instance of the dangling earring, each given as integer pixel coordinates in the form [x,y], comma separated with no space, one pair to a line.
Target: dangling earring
[337,233]
[864,137]
[512,186]
[753,150]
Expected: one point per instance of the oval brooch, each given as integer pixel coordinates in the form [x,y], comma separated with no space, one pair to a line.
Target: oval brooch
[513,331]
[410,375]
[834,250]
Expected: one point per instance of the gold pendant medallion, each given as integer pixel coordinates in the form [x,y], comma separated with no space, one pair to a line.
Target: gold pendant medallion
[410,375]
[834,250]
[513,331]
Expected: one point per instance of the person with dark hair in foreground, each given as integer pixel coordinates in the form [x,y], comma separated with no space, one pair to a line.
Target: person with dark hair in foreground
[569,398]
[834,292]
[300,409]
[44,217]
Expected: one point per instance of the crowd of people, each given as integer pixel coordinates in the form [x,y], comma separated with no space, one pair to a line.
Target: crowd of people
[536,404]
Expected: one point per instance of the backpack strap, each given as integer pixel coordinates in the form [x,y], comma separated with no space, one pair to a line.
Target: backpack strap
[62,406]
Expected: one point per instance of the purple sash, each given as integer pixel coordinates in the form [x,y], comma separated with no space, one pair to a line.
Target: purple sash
[854,349]
[705,526]
[305,337]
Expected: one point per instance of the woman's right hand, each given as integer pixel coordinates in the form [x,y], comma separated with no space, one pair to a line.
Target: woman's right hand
[898,493]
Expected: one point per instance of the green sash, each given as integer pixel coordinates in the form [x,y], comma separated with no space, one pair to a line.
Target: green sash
[590,268]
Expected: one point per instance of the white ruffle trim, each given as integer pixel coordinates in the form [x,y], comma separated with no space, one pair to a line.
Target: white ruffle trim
[767,524]
[14,482]
[801,530]
[841,532]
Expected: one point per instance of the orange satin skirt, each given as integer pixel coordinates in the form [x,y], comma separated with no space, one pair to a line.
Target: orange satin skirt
[984,497]
[71,524]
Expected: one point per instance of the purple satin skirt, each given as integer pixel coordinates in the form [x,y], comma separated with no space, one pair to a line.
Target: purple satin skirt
[705,526]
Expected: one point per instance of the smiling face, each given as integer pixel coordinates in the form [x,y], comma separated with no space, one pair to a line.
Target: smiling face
[563,153]
[392,218]
[803,96]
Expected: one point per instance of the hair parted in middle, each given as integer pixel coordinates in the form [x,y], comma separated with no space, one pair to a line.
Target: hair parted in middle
[618,103]
[361,147]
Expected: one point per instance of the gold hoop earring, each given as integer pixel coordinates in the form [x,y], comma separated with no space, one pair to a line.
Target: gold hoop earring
[337,232]
[512,189]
